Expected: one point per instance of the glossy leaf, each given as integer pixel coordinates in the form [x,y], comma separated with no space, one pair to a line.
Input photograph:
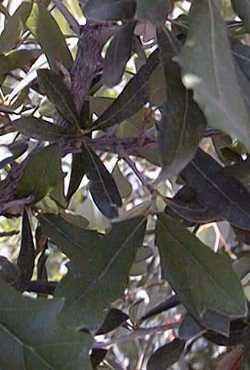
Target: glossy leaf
[204,281]
[132,98]
[182,123]
[14,27]
[113,320]
[219,97]
[15,150]
[106,10]
[43,26]
[117,55]
[99,266]
[102,186]
[26,257]
[170,302]
[32,339]
[225,196]
[77,173]
[41,173]
[58,93]
[166,355]
[41,130]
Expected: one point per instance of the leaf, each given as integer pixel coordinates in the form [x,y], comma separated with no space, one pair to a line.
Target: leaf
[166,355]
[154,10]
[189,328]
[77,173]
[105,10]
[32,339]
[16,59]
[48,34]
[223,195]
[170,302]
[41,173]
[99,266]
[219,96]
[182,123]
[232,360]
[58,93]
[39,129]
[241,54]
[132,98]
[26,257]
[14,27]
[118,54]
[102,186]
[114,319]
[9,272]
[124,186]
[204,281]
[242,8]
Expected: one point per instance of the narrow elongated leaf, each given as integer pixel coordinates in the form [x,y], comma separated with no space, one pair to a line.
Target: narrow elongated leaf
[118,54]
[219,96]
[166,355]
[170,302]
[109,9]
[32,339]
[204,281]
[102,186]
[77,173]
[223,195]
[41,173]
[26,257]
[113,320]
[14,27]
[58,94]
[242,8]
[182,123]
[16,59]
[132,98]
[48,34]
[241,55]
[99,266]
[39,129]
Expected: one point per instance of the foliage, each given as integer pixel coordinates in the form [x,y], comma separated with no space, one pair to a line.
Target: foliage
[124,202]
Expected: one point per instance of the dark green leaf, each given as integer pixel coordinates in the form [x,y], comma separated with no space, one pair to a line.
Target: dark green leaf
[14,27]
[118,54]
[182,122]
[241,55]
[18,59]
[39,129]
[170,302]
[26,257]
[242,8]
[109,9]
[204,281]
[32,339]
[189,328]
[223,195]
[48,34]
[102,186]
[9,272]
[58,93]
[154,10]
[77,173]
[132,98]
[113,320]
[41,173]
[99,266]
[166,355]
[219,96]
[97,356]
